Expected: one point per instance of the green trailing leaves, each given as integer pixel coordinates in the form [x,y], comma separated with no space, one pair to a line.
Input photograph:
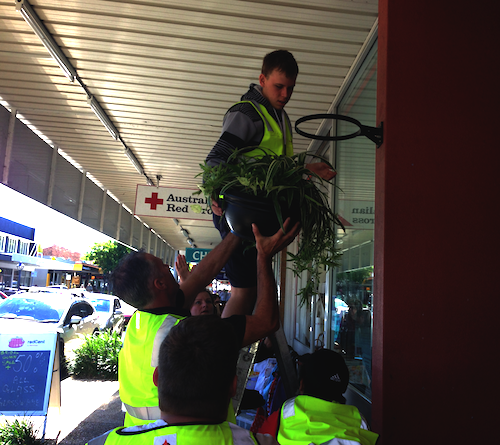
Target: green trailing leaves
[287,182]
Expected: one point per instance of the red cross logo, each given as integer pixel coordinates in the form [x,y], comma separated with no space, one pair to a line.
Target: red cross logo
[154,201]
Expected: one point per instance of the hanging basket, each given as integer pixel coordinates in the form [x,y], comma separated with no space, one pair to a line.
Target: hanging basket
[241,210]
[246,183]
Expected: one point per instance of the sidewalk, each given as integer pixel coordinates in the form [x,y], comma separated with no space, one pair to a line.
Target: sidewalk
[89,408]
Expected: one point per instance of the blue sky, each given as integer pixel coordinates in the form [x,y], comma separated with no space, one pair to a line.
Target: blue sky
[51,227]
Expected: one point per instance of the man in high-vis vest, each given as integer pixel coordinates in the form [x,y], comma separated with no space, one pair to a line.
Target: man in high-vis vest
[196,378]
[143,281]
[258,120]
[319,415]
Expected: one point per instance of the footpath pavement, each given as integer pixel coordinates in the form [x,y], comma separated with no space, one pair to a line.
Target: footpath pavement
[88,409]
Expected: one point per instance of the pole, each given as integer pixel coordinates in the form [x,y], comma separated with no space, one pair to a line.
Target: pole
[8,148]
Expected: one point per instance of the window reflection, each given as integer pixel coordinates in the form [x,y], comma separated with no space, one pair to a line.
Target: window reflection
[352,310]
[353,324]
[342,318]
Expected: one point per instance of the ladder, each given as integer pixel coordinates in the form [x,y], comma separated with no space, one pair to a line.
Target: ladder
[286,367]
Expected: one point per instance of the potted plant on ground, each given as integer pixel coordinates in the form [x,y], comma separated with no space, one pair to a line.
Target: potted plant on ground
[278,186]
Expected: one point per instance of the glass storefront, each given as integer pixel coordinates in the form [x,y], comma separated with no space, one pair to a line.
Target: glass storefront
[6,278]
[340,316]
[13,278]
[352,306]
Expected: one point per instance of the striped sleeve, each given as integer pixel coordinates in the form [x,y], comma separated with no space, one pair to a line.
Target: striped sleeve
[242,127]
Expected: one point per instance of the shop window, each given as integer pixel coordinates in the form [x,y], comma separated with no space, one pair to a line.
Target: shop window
[3,242]
[11,245]
[25,278]
[24,247]
[311,313]
[339,317]
[351,327]
[5,278]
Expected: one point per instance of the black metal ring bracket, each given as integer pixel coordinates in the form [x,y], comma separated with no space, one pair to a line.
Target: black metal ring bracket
[375,134]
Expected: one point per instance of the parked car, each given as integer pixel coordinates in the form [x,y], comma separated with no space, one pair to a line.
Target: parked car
[127,310]
[31,312]
[43,289]
[108,308]
[58,286]
[14,290]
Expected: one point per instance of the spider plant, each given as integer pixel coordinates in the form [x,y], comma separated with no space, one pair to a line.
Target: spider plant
[288,183]
[19,432]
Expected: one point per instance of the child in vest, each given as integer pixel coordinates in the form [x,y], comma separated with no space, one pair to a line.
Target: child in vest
[319,414]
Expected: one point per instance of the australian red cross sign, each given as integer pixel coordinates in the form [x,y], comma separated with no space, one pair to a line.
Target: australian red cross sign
[168,202]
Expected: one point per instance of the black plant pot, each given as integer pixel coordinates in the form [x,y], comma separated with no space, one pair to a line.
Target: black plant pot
[241,210]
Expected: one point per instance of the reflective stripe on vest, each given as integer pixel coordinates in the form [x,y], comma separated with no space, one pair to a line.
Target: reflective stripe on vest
[273,141]
[137,361]
[223,434]
[305,420]
[143,412]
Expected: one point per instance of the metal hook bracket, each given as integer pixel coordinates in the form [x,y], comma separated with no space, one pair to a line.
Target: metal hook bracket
[375,134]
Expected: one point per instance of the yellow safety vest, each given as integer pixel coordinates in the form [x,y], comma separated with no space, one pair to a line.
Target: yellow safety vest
[305,420]
[137,361]
[273,141]
[221,434]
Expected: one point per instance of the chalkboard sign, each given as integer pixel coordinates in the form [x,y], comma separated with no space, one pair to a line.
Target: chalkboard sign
[26,363]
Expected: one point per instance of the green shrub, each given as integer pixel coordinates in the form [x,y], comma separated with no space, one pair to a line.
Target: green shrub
[97,357]
[19,433]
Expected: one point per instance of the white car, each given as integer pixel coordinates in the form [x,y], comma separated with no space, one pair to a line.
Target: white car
[127,310]
[108,309]
[28,312]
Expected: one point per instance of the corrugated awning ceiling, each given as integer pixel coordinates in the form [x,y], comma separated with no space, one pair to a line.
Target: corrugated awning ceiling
[165,72]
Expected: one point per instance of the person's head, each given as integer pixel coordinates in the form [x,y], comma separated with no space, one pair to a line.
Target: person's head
[196,372]
[203,304]
[278,77]
[355,305]
[324,374]
[140,278]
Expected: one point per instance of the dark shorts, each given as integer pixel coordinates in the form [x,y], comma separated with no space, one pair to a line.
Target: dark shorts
[241,268]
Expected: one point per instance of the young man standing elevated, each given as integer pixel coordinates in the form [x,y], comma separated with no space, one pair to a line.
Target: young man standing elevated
[258,120]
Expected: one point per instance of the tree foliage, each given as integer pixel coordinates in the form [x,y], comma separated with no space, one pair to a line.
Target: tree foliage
[106,255]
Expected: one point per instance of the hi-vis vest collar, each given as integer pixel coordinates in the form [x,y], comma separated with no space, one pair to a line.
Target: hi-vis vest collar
[160,433]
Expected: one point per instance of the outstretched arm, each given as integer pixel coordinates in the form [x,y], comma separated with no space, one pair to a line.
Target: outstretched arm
[265,319]
[181,267]
[208,268]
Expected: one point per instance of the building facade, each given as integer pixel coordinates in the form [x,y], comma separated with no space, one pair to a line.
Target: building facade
[18,254]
